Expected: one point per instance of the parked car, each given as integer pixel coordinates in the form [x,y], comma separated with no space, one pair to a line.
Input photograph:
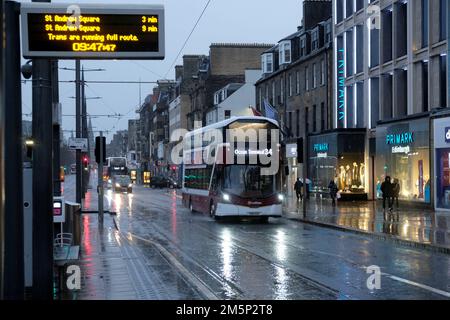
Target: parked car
[159,182]
[122,183]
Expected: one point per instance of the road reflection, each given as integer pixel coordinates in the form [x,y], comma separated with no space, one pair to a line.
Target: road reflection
[226,255]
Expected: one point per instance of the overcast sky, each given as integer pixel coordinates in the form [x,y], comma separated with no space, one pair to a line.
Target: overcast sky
[237,21]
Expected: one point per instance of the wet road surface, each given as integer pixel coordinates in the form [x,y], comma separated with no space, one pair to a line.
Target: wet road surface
[282,259]
[279,260]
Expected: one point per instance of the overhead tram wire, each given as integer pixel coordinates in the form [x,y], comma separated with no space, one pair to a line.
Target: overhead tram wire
[147,69]
[187,39]
[103,81]
[102,101]
[97,115]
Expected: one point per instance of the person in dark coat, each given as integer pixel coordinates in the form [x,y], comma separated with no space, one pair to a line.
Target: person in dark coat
[333,191]
[386,189]
[395,192]
[298,186]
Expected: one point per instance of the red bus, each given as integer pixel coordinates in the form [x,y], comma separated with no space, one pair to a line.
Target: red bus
[228,181]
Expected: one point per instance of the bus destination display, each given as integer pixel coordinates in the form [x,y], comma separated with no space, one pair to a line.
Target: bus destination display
[112,33]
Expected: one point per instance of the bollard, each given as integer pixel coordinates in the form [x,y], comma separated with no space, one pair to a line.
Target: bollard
[73,217]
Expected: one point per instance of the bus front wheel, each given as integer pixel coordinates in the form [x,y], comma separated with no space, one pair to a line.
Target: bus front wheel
[191,207]
[212,210]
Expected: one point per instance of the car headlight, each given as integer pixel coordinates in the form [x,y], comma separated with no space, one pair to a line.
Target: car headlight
[130,185]
[280,197]
[117,185]
[226,197]
[109,181]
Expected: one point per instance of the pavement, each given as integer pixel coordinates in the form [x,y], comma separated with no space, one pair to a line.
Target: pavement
[417,227]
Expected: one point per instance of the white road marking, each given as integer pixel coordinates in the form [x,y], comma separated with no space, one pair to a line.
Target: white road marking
[419,285]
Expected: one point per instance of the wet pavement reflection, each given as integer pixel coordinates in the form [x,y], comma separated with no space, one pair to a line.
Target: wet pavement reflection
[418,225]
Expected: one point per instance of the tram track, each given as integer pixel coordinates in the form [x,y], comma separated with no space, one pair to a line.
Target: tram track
[238,292]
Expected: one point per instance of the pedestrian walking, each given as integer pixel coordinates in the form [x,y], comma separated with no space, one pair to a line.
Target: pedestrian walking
[333,191]
[395,192]
[386,189]
[298,186]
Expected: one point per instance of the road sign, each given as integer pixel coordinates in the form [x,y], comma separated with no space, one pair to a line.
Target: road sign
[78,144]
[92,31]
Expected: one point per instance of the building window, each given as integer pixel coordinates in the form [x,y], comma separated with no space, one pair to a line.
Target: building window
[359,5]
[281,90]
[322,116]
[314,118]
[290,123]
[290,85]
[306,121]
[297,122]
[322,72]
[443,17]
[443,81]
[216,99]
[285,52]
[349,8]
[315,40]
[424,23]
[306,79]
[267,62]
[314,76]
[374,101]
[297,82]
[260,98]
[425,85]
[359,50]
[227,114]
[386,34]
[339,9]
[328,33]
[273,92]
[401,22]
[303,47]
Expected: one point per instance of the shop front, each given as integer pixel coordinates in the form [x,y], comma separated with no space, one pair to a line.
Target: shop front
[403,153]
[442,163]
[338,155]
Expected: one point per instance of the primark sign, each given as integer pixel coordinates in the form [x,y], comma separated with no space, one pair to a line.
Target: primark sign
[400,142]
[400,138]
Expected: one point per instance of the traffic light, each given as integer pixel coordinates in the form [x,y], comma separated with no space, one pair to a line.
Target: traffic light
[100,143]
[85,162]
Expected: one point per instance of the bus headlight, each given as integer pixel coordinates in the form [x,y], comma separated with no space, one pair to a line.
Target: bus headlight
[130,185]
[281,197]
[226,197]
[109,181]
[117,185]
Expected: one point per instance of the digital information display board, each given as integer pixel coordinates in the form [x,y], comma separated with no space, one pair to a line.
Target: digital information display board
[90,31]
